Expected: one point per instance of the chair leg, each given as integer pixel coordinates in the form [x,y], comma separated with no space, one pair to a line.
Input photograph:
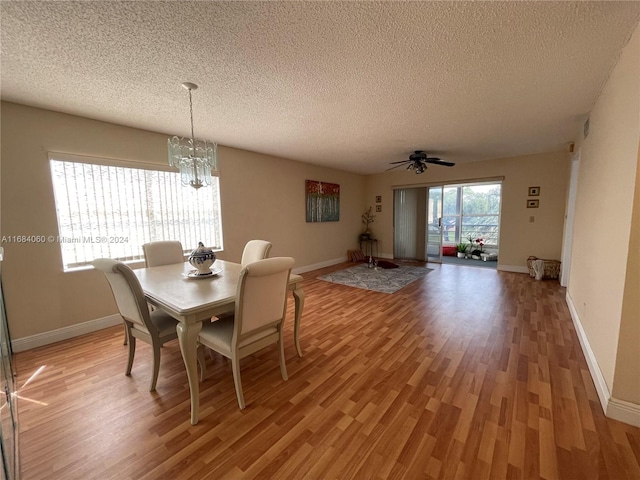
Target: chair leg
[156,366]
[201,361]
[126,336]
[283,364]
[235,368]
[132,353]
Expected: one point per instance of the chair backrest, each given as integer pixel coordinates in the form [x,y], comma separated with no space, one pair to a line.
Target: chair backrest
[255,250]
[162,253]
[261,297]
[126,291]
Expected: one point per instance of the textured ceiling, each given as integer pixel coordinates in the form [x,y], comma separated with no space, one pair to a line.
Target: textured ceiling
[350,85]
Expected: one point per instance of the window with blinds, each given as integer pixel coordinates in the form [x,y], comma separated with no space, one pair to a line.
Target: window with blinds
[110,211]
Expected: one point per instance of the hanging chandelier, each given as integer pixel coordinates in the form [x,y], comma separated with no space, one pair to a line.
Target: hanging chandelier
[194,158]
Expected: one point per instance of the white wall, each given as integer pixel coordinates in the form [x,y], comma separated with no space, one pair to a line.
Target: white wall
[602,229]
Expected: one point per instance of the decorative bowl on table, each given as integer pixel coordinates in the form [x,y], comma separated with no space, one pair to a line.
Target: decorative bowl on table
[202,258]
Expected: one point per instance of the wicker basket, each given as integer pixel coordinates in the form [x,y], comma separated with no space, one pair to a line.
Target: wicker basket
[551,267]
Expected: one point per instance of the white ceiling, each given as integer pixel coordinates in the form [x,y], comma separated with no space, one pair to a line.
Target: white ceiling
[349,85]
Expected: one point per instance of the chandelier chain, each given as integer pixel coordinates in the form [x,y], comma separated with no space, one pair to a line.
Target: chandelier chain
[193,137]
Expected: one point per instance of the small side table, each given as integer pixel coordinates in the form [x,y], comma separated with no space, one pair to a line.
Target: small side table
[369,245]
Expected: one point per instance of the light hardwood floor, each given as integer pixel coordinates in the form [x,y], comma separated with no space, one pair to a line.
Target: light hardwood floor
[468,373]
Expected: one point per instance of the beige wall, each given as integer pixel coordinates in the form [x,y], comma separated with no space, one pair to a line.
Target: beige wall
[626,380]
[603,216]
[519,238]
[264,197]
[261,196]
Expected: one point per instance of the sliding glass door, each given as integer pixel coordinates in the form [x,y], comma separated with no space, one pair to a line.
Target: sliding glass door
[426,219]
[434,224]
[472,211]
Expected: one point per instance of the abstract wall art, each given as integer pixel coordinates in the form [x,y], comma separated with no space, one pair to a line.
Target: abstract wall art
[323,201]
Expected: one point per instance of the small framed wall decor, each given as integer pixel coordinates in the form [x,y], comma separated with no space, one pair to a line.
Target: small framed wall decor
[533,203]
[378,208]
[534,191]
[378,198]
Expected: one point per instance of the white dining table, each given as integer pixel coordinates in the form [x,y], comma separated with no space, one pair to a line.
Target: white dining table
[192,301]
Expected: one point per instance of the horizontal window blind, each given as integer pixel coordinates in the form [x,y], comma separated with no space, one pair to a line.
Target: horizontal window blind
[111,211]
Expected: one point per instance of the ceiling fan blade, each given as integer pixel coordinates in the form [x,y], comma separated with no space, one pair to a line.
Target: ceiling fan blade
[394,167]
[401,161]
[437,161]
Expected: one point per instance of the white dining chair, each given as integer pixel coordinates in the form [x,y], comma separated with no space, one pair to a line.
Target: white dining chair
[162,253]
[255,250]
[257,322]
[155,328]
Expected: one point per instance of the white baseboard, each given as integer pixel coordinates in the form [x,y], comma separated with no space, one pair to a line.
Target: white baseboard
[513,268]
[315,266]
[617,409]
[596,374]
[40,339]
[625,412]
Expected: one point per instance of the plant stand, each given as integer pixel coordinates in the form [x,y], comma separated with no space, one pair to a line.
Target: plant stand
[369,245]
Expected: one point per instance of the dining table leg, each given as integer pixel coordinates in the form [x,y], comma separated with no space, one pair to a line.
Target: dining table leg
[298,296]
[188,338]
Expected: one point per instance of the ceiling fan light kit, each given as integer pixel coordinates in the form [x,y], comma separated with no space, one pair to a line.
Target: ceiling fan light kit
[418,162]
[418,167]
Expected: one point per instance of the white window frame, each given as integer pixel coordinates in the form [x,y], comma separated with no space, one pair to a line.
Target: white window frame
[149,204]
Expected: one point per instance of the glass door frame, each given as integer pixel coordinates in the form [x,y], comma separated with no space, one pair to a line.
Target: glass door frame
[433,237]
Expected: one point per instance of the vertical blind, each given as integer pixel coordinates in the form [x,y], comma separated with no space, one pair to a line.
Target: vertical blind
[111,211]
[405,223]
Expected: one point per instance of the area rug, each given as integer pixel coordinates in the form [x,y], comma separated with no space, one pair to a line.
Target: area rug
[380,280]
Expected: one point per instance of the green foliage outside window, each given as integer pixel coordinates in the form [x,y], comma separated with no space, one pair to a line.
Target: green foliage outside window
[472,211]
